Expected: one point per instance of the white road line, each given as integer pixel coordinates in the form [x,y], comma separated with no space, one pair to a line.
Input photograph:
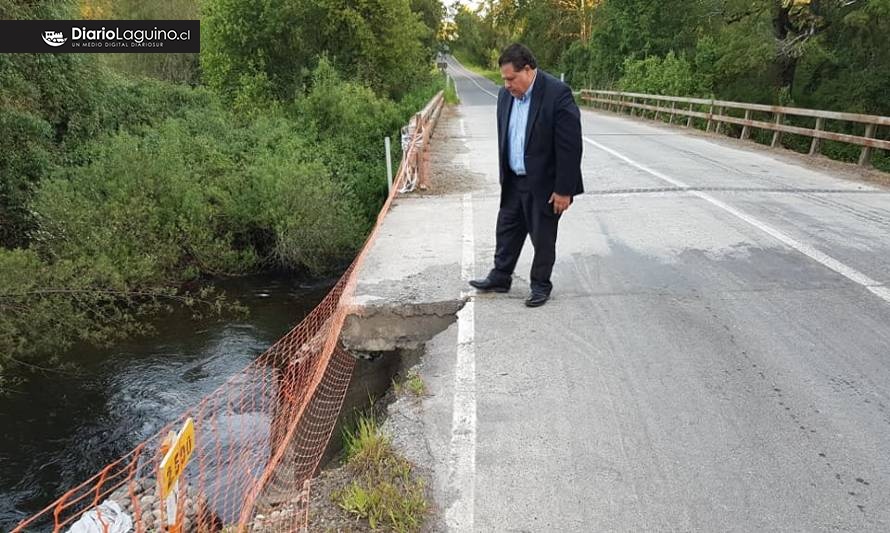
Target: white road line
[469,75]
[462,465]
[848,272]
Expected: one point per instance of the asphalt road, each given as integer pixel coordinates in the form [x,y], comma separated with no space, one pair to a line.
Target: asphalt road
[715,357]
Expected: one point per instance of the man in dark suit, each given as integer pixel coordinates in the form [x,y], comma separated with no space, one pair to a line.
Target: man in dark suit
[539,140]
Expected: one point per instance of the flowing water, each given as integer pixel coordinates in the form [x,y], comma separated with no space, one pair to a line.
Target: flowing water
[59,428]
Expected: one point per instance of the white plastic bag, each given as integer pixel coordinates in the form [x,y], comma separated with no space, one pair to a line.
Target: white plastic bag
[108,515]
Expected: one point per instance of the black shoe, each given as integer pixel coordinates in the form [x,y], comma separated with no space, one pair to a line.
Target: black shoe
[487,285]
[536,299]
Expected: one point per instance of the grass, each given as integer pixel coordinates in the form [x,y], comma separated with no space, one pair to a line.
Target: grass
[491,74]
[412,384]
[365,445]
[383,491]
[451,92]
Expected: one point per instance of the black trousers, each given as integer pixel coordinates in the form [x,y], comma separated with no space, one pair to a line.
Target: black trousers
[520,215]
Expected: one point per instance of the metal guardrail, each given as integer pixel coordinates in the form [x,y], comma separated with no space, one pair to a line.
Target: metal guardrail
[619,101]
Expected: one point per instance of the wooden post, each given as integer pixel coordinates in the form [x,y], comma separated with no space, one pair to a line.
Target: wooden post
[633,110]
[673,108]
[817,142]
[746,130]
[689,119]
[386,143]
[416,160]
[710,117]
[719,124]
[865,155]
[423,155]
[777,135]
[657,108]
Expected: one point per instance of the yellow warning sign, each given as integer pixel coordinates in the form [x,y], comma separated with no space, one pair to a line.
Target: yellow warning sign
[177,457]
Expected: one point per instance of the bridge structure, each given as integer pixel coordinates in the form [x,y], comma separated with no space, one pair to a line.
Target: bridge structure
[715,357]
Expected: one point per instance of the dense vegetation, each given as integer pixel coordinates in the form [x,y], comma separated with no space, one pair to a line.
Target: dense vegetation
[824,54]
[128,181]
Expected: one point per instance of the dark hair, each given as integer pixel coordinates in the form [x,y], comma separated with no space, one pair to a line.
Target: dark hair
[519,55]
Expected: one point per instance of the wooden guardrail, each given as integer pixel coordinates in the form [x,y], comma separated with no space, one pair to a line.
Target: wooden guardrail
[716,116]
[414,169]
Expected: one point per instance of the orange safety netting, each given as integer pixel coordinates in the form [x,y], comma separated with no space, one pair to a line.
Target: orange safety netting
[259,438]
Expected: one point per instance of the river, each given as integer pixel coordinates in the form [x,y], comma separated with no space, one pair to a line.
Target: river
[59,428]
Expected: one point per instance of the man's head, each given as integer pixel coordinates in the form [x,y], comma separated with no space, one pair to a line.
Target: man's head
[518,66]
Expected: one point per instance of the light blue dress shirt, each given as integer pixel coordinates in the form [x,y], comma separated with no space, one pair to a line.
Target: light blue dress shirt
[516,130]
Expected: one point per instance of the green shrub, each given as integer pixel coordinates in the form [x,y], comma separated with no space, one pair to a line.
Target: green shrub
[198,195]
[26,155]
[45,308]
[670,75]
[349,123]
[51,107]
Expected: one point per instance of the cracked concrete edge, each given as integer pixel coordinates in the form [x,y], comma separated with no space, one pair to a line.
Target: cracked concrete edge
[387,327]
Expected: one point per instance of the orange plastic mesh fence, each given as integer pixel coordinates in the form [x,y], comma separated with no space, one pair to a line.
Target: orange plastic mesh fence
[258,438]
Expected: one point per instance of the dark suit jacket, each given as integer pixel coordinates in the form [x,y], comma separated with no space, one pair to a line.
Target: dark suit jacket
[552,140]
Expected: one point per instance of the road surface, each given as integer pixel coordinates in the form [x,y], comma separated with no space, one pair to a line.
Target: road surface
[715,357]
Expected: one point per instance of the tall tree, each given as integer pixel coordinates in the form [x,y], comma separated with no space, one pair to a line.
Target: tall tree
[274,44]
[552,25]
[792,27]
[431,13]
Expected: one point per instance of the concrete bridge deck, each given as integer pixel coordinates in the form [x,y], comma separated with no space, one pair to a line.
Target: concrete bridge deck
[716,355]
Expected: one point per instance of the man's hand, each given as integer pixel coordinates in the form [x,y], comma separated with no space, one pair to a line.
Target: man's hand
[560,202]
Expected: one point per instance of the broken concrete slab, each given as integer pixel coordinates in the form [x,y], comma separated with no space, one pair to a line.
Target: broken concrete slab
[409,286]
